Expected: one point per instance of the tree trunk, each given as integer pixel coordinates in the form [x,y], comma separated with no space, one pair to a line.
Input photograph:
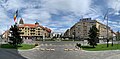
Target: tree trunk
[93,46]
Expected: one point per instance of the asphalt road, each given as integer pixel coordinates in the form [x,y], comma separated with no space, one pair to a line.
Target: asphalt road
[66,50]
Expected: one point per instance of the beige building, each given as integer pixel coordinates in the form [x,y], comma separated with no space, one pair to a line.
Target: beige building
[5,35]
[67,33]
[33,31]
[81,29]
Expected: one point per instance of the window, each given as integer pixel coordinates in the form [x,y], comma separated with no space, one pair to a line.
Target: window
[20,30]
[79,28]
[38,28]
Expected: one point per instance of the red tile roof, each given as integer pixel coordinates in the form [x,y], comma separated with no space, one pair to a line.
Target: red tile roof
[33,25]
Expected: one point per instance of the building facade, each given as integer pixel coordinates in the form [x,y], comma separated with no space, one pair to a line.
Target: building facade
[33,31]
[5,35]
[81,29]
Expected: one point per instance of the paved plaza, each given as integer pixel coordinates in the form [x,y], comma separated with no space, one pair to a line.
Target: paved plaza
[66,50]
[58,50]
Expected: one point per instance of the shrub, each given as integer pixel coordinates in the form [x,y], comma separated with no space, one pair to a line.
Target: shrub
[79,45]
[36,44]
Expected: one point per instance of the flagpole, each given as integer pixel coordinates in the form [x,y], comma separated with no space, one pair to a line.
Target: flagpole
[17,17]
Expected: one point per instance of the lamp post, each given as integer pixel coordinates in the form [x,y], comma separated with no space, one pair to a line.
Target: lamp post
[118,36]
[106,18]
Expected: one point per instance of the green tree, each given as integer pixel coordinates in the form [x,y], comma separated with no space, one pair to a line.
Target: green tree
[93,36]
[118,36]
[15,38]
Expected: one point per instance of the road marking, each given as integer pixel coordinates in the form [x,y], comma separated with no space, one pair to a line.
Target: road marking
[52,49]
[70,49]
[42,49]
[76,49]
[47,49]
[65,49]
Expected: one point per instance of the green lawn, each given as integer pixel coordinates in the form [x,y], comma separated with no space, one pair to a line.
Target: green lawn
[102,47]
[21,47]
[26,46]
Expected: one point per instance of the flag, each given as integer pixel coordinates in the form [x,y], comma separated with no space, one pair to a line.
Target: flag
[15,16]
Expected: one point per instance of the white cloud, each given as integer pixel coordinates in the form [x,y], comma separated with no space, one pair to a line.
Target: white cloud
[114,4]
[43,10]
[78,7]
[58,30]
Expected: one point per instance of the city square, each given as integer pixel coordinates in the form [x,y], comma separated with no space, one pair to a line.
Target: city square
[59,29]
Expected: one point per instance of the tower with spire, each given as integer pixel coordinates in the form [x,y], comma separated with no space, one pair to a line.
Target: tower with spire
[21,21]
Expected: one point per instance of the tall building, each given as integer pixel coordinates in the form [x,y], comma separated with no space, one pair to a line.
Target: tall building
[67,33]
[81,29]
[33,31]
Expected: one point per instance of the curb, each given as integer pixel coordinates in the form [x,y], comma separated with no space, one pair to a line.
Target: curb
[30,49]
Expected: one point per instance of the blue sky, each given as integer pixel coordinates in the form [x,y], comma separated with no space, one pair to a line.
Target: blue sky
[59,15]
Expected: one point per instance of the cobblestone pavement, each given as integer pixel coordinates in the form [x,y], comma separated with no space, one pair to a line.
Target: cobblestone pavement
[65,50]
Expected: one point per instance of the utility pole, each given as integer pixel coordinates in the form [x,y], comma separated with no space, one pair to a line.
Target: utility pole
[106,18]
[118,36]
[107,33]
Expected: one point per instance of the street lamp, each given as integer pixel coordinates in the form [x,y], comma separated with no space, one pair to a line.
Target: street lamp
[118,36]
[106,18]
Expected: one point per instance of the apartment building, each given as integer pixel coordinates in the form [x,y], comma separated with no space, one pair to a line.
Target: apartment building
[81,29]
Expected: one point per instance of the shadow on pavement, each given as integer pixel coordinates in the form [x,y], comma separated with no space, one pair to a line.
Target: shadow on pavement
[86,47]
[10,54]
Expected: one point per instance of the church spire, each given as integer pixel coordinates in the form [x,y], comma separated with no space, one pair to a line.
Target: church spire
[21,21]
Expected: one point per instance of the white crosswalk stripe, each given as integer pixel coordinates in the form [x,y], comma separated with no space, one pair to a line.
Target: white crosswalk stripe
[52,49]
[42,49]
[76,49]
[70,49]
[47,49]
[57,45]
[65,49]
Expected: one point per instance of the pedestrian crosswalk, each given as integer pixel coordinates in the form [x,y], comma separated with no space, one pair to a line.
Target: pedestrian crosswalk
[52,49]
[57,45]
[69,49]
